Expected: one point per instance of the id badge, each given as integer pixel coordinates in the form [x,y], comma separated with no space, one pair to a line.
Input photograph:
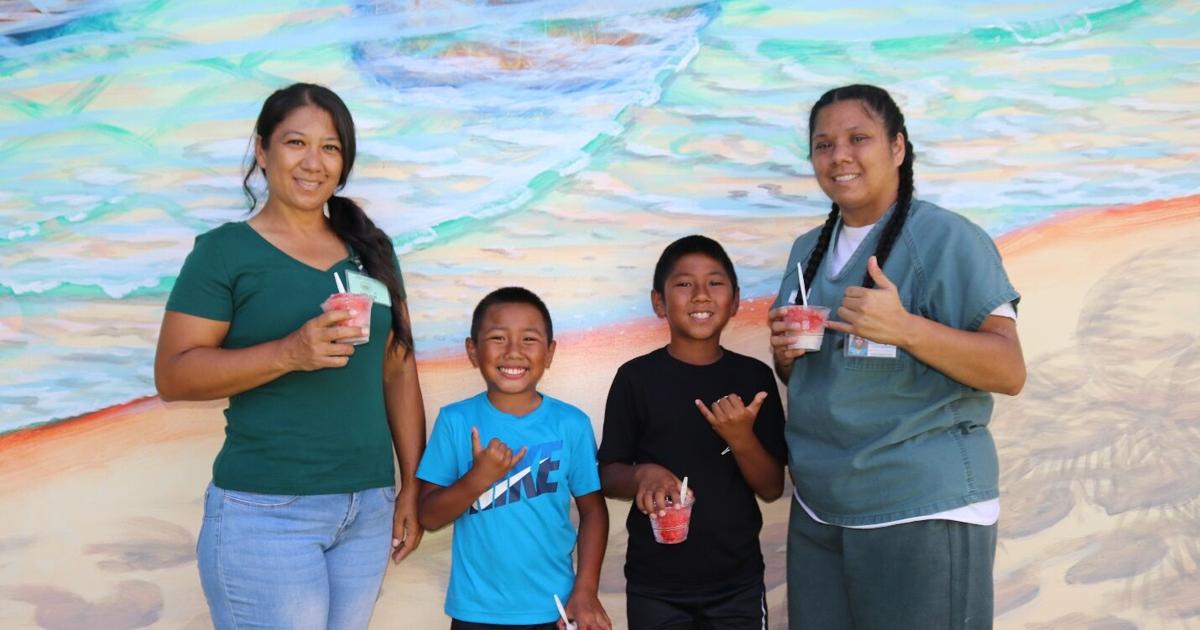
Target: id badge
[865,348]
[362,283]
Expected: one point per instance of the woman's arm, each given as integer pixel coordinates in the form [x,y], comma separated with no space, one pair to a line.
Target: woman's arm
[190,364]
[406,419]
[989,359]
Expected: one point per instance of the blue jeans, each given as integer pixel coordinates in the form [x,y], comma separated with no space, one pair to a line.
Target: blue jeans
[294,562]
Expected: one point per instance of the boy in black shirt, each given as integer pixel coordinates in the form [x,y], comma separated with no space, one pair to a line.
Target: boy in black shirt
[696,409]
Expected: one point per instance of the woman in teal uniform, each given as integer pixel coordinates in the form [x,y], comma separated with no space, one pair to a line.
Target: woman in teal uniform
[302,509]
[893,523]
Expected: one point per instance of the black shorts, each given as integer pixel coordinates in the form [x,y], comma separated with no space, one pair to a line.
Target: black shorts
[734,608]
[457,624]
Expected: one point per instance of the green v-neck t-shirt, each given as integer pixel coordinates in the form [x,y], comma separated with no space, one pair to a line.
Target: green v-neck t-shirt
[304,433]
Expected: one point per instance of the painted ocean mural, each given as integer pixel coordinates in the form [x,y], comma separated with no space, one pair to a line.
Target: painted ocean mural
[560,145]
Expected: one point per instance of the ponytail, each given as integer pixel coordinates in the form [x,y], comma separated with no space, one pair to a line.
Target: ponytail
[374,248]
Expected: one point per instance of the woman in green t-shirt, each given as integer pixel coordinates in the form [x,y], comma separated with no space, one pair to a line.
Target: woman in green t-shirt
[303,508]
[893,523]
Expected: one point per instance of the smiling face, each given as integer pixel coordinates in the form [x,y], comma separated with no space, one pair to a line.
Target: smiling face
[512,353]
[302,160]
[855,162]
[697,301]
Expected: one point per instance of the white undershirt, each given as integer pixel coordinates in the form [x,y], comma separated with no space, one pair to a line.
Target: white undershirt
[848,240]
[981,513]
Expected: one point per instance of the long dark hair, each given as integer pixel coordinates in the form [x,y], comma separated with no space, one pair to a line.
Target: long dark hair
[880,103]
[346,218]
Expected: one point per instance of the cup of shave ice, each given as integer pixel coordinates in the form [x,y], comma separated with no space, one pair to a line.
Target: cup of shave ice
[672,527]
[812,325]
[360,305]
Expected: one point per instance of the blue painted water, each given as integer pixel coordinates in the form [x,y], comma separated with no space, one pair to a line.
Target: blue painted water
[532,130]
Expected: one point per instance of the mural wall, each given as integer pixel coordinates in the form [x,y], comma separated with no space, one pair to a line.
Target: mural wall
[560,145]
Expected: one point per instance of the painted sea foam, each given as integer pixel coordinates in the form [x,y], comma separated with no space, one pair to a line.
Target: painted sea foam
[558,143]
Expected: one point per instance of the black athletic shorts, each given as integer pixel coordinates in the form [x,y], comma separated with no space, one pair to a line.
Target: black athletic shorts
[457,624]
[736,608]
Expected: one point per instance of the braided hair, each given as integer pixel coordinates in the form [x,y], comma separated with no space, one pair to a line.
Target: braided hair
[346,218]
[880,103]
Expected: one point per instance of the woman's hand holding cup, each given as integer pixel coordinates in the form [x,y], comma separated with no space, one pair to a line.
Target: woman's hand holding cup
[783,336]
[318,344]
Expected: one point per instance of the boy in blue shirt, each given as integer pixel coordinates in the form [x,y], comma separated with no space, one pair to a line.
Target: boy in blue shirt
[694,408]
[503,466]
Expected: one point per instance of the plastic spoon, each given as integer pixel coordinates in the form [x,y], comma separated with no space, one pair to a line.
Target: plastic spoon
[562,612]
[803,289]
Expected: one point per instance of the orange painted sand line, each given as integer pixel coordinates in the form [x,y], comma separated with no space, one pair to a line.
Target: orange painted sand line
[614,340]
[1099,223]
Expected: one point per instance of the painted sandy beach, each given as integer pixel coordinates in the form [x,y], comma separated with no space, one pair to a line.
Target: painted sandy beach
[560,144]
[1095,533]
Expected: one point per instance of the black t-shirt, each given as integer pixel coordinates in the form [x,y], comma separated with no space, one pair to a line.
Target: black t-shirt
[651,417]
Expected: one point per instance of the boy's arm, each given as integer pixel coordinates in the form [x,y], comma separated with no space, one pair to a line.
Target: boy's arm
[584,604]
[763,473]
[649,485]
[442,504]
[734,421]
[617,480]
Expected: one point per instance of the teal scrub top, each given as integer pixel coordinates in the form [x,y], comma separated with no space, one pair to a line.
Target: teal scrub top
[876,440]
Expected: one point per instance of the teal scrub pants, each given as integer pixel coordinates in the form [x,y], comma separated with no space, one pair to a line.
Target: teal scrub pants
[926,575]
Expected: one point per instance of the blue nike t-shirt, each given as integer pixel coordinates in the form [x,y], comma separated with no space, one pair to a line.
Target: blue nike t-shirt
[511,550]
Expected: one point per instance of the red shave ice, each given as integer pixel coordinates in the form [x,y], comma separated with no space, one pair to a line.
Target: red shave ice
[812,321]
[360,304]
[672,528]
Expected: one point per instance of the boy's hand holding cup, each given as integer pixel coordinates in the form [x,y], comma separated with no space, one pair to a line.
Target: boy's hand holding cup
[492,463]
[657,488]
[670,527]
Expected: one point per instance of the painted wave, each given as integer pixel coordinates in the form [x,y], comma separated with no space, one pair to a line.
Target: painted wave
[83,235]
[513,136]
[1057,24]
[560,143]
